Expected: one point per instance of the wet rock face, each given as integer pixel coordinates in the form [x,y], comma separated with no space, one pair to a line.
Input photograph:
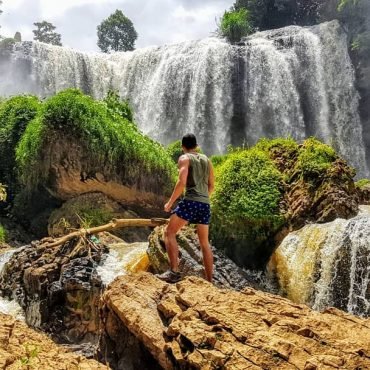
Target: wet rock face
[194,325]
[226,272]
[58,288]
[24,348]
[322,199]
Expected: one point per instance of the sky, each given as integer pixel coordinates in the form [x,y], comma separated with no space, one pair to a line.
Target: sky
[157,22]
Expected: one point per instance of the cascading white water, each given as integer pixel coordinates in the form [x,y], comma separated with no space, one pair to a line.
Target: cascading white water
[122,259]
[326,265]
[7,306]
[294,81]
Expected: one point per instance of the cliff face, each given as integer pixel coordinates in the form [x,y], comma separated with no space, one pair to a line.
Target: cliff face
[195,325]
[24,348]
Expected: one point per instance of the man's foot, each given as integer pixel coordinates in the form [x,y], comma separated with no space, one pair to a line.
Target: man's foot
[169,276]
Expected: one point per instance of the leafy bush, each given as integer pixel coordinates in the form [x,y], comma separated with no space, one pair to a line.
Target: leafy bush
[117,106]
[15,114]
[174,150]
[91,217]
[245,205]
[108,139]
[235,25]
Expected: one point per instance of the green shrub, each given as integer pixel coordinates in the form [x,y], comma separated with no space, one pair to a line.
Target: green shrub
[107,138]
[91,217]
[2,234]
[118,106]
[174,150]
[15,114]
[235,24]
[245,205]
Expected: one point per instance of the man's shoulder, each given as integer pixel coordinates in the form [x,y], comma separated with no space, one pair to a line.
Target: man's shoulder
[184,159]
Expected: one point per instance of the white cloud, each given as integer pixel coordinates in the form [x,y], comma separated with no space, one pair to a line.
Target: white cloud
[157,21]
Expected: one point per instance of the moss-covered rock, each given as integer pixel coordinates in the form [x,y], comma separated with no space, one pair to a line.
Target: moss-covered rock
[15,114]
[70,145]
[265,191]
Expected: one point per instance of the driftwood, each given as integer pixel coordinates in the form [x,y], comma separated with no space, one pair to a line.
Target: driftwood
[111,226]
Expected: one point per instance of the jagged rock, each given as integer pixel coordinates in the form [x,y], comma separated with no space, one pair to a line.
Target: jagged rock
[326,198]
[58,288]
[226,272]
[194,325]
[22,347]
[364,194]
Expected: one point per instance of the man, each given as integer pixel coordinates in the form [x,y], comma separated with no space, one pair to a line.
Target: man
[197,178]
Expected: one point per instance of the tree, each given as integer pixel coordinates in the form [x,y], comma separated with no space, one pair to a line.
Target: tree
[116,33]
[45,32]
[235,24]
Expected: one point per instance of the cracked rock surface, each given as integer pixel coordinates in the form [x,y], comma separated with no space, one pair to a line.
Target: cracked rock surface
[24,348]
[195,325]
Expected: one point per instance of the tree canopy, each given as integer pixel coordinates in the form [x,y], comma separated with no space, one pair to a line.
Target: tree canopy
[45,32]
[235,24]
[116,33]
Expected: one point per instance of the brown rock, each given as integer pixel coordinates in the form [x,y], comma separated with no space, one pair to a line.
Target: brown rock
[193,324]
[24,348]
[226,272]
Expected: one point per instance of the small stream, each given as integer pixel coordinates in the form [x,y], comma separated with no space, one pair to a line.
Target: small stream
[9,307]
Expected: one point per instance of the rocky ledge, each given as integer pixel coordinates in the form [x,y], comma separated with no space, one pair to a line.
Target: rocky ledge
[24,348]
[195,325]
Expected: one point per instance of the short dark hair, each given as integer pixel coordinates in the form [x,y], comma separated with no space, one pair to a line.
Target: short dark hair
[189,141]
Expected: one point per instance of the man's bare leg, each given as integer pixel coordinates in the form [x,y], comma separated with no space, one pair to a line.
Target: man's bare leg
[203,231]
[175,224]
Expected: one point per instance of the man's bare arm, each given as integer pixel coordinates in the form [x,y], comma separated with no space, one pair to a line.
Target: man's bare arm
[183,165]
[211,179]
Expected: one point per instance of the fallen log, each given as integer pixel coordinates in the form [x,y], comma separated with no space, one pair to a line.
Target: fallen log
[115,224]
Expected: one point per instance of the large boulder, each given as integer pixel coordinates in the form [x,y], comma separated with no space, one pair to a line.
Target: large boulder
[71,145]
[277,186]
[24,348]
[226,272]
[195,325]
[58,288]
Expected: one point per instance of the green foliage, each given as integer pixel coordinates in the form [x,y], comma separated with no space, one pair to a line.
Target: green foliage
[245,205]
[235,24]
[116,33]
[91,217]
[217,160]
[6,44]
[174,150]
[107,138]
[361,183]
[315,158]
[45,32]
[15,115]
[117,106]
[2,234]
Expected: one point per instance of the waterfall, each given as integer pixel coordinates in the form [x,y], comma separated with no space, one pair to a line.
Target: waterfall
[294,81]
[122,259]
[7,306]
[326,265]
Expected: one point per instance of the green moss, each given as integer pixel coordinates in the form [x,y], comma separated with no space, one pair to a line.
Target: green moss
[15,114]
[245,203]
[361,183]
[315,158]
[2,234]
[107,136]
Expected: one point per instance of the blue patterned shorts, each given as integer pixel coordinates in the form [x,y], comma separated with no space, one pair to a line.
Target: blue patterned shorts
[193,211]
